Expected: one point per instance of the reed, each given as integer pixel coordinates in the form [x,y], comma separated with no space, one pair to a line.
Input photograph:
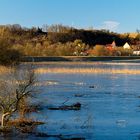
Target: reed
[86,71]
[5,70]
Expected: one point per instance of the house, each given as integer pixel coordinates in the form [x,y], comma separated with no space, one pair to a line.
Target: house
[110,47]
[136,52]
[113,44]
[126,46]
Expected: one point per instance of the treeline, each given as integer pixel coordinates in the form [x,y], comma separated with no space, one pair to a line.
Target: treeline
[8,55]
[63,34]
[56,40]
[91,38]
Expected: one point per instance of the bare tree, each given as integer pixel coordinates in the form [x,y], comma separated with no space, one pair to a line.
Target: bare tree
[15,85]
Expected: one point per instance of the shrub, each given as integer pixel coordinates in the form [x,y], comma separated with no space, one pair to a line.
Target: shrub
[8,55]
[100,50]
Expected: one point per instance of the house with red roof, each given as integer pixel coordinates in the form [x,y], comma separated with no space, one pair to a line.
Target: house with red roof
[110,47]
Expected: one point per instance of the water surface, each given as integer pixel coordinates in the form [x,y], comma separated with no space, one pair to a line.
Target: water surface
[110,110]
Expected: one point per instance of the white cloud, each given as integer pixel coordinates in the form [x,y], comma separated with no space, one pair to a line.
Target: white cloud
[110,25]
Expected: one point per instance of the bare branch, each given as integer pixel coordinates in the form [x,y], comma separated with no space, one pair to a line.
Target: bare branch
[20,84]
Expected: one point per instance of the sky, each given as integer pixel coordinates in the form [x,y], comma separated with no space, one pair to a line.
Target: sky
[114,15]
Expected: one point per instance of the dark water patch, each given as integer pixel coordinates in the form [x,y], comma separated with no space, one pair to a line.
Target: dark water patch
[76,106]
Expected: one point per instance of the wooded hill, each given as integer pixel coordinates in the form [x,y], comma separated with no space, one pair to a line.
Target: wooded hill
[63,34]
[58,40]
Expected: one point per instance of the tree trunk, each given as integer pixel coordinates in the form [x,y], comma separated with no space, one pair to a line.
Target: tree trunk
[3,119]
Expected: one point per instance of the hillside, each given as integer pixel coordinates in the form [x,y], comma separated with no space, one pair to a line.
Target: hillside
[58,40]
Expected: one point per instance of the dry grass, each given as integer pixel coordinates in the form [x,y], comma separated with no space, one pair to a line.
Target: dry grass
[24,125]
[5,70]
[86,71]
[23,122]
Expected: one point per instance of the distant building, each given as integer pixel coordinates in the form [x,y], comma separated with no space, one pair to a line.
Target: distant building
[126,46]
[110,47]
[136,52]
[113,44]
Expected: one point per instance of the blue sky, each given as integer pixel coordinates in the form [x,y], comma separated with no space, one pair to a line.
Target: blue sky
[115,15]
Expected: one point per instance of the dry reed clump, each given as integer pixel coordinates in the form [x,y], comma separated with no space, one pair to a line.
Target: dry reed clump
[5,70]
[24,125]
[23,122]
[86,71]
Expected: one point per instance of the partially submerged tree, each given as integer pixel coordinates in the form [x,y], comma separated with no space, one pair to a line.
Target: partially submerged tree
[14,87]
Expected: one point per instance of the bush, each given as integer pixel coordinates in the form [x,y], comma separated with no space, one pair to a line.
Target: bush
[100,50]
[8,55]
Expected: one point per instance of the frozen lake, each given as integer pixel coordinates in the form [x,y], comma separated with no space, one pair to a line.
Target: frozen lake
[109,111]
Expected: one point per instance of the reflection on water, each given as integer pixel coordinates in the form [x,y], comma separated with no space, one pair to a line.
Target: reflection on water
[110,110]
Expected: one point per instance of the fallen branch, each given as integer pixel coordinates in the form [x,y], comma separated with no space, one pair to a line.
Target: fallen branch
[76,106]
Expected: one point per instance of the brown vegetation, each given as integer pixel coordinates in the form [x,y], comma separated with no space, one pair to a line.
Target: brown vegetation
[58,40]
[24,125]
[15,87]
[86,71]
[8,55]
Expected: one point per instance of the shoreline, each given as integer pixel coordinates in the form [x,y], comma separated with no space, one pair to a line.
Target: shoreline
[79,58]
